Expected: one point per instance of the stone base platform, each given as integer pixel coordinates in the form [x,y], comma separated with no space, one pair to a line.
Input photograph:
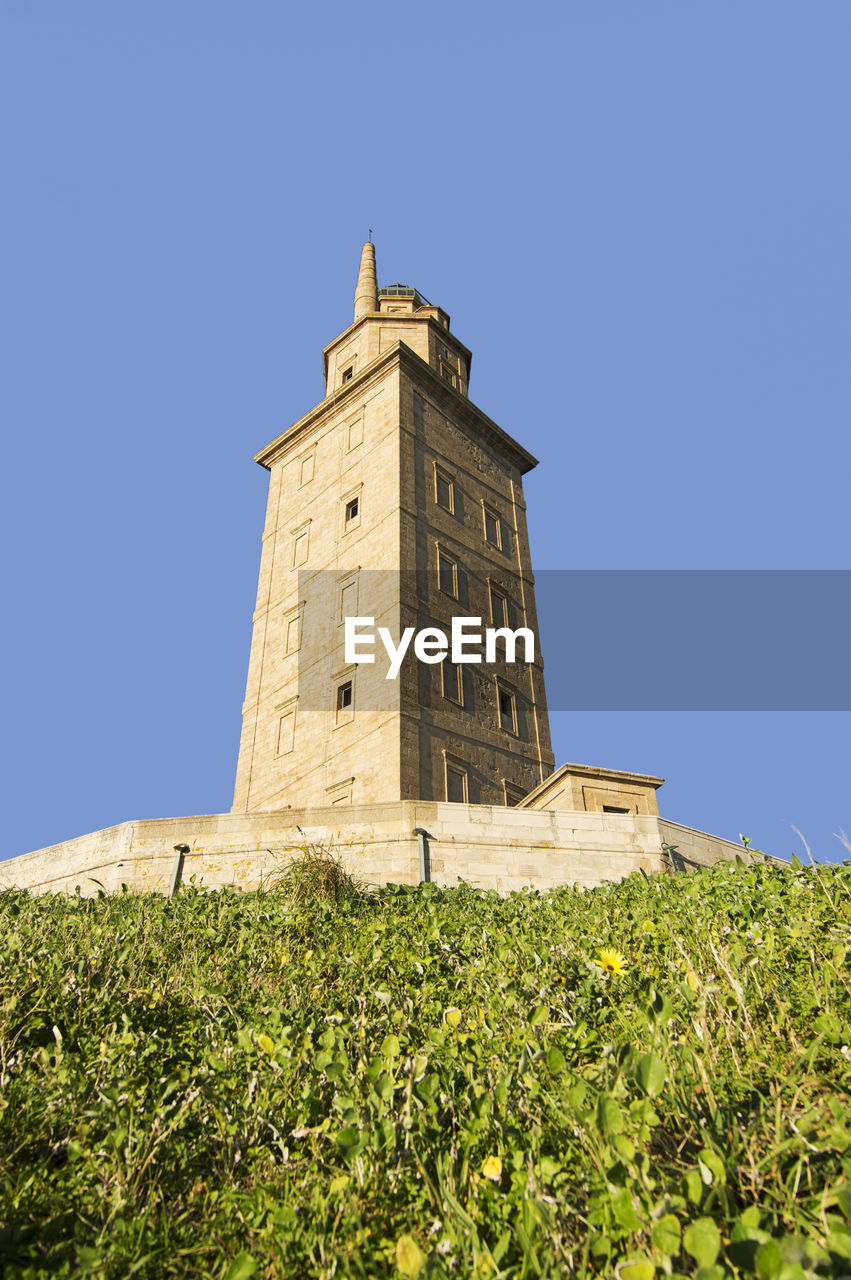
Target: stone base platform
[487,846]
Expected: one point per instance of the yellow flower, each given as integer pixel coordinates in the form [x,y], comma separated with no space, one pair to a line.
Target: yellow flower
[612,961]
[492,1168]
[452,1017]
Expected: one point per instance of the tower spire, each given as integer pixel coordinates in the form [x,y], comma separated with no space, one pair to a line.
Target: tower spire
[366,293]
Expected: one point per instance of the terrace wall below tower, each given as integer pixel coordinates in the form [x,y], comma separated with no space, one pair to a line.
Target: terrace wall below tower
[490,847]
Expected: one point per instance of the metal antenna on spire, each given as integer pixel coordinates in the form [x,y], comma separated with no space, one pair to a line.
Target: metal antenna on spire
[370,235]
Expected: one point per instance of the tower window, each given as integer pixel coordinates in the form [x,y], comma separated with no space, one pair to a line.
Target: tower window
[493,532]
[444,490]
[355,433]
[292,630]
[448,369]
[286,732]
[499,608]
[351,507]
[453,682]
[348,601]
[343,699]
[507,709]
[456,784]
[613,808]
[301,541]
[348,374]
[306,468]
[447,575]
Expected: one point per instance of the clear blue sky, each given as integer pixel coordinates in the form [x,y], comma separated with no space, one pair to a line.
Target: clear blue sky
[637,216]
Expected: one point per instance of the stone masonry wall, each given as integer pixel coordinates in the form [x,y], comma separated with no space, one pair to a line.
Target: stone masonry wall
[695,848]
[491,847]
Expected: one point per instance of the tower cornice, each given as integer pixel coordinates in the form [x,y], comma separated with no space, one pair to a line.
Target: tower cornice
[461,409]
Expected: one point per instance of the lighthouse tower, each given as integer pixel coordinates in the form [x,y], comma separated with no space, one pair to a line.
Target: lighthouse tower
[397,499]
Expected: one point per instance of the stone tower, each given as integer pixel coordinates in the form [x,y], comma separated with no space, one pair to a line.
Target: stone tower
[395,498]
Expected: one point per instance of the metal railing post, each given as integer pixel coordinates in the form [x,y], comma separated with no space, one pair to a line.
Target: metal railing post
[174,882]
[422,842]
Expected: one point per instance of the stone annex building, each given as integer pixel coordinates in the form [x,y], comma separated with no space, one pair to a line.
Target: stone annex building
[396,499]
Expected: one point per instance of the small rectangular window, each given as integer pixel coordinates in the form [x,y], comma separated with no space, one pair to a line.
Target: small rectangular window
[453,682]
[292,636]
[444,490]
[447,575]
[352,510]
[492,527]
[355,433]
[448,368]
[348,374]
[456,784]
[499,608]
[613,808]
[306,468]
[344,696]
[286,732]
[300,548]
[348,601]
[507,710]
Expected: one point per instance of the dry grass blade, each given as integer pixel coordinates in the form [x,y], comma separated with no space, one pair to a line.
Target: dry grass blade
[313,873]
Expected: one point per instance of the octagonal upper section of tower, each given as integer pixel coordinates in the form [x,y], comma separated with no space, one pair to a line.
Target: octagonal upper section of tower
[391,314]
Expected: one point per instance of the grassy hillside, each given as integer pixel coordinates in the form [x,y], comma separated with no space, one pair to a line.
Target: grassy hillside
[431,1082]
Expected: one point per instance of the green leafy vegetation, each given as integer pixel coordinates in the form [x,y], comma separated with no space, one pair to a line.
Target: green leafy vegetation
[647,1079]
